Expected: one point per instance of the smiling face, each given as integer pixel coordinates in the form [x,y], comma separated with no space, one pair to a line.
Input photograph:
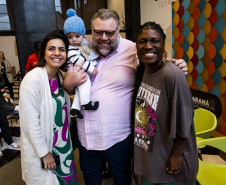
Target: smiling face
[150,47]
[75,39]
[55,54]
[105,44]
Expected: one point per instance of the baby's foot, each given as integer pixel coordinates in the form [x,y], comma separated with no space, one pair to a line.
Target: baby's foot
[76,113]
[91,105]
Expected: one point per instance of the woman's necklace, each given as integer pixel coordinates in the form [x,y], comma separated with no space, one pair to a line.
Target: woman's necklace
[60,89]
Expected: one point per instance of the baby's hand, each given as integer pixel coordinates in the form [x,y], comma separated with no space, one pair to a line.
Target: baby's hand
[95,71]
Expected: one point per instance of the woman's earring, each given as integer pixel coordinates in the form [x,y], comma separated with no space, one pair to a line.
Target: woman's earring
[164,55]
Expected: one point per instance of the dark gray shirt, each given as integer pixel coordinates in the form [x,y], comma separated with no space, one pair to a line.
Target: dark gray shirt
[164,110]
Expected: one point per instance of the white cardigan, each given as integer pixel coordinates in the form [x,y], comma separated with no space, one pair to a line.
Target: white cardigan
[36,120]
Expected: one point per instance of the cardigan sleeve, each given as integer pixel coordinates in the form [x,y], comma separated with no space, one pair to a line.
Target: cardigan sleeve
[30,98]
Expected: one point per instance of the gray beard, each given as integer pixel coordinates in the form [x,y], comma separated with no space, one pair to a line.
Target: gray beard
[106,52]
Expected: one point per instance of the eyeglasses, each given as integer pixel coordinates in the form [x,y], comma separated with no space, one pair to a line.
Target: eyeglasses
[108,33]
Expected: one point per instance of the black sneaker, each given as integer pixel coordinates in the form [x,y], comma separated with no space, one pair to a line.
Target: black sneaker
[76,113]
[91,105]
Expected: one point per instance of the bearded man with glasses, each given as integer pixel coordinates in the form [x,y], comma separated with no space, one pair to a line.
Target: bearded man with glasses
[105,134]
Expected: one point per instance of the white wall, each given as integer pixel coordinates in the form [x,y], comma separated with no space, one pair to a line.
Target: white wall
[8,46]
[161,12]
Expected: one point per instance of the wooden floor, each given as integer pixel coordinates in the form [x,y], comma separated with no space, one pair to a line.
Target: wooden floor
[213,159]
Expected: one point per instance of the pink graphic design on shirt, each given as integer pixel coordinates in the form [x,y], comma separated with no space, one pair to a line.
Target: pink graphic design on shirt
[146,118]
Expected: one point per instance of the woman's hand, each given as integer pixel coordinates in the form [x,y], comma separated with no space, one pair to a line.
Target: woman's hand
[174,164]
[181,64]
[49,162]
[74,77]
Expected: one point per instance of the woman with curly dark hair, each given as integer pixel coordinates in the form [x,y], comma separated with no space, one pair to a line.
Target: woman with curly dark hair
[164,136]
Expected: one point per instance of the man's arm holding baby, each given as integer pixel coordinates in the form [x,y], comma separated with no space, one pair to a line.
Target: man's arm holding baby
[74,77]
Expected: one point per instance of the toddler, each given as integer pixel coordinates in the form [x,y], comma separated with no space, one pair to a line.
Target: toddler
[80,49]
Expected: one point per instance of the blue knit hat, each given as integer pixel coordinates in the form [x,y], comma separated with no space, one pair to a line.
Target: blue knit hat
[74,23]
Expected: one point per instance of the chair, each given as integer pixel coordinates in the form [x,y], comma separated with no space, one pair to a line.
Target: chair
[205,122]
[212,173]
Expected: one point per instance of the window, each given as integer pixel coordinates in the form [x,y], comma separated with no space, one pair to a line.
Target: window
[4,17]
[58,6]
[77,4]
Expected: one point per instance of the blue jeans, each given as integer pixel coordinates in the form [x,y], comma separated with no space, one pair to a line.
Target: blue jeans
[118,158]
